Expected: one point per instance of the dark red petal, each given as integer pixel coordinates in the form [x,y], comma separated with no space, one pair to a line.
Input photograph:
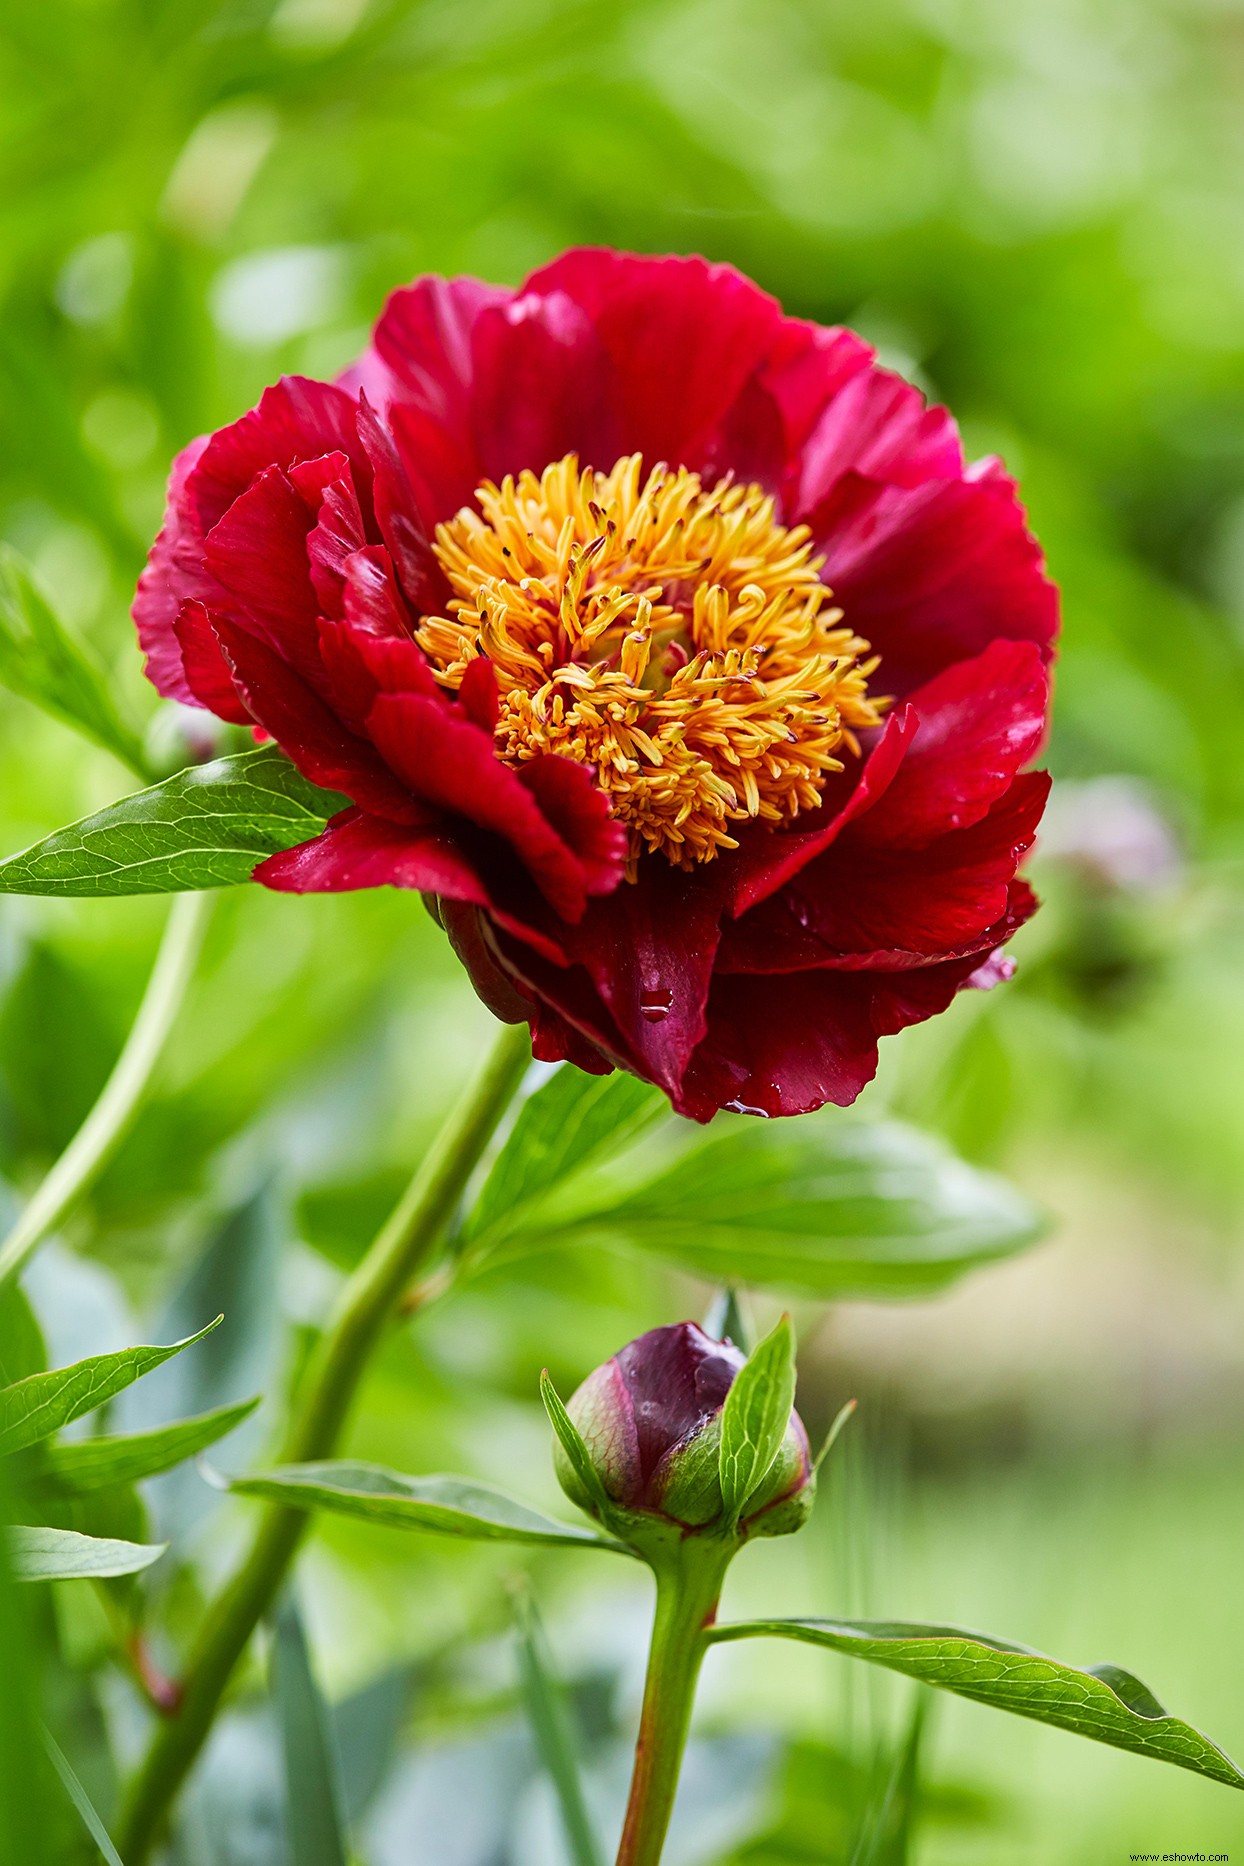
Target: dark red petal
[649,952]
[568,993]
[424,339]
[296,419]
[338,531]
[465,928]
[361,851]
[539,386]
[934,573]
[980,722]
[371,599]
[807,367]
[779,1046]
[573,802]
[323,749]
[359,665]
[863,907]
[401,518]
[258,556]
[206,671]
[878,427]
[446,760]
[677,1379]
[765,860]
[682,338]
[477,696]
[173,574]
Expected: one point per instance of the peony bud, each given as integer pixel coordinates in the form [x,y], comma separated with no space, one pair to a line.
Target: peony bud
[651,1421]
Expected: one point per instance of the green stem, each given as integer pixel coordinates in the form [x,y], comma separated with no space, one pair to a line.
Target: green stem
[108,1122]
[400,1251]
[688,1588]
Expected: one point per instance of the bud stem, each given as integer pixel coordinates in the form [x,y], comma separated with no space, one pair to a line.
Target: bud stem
[689,1580]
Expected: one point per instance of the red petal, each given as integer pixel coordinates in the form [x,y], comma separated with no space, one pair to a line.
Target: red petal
[539,386]
[980,721]
[778,1046]
[765,859]
[682,338]
[400,519]
[446,760]
[361,851]
[206,671]
[477,696]
[338,530]
[879,427]
[258,555]
[372,601]
[323,749]
[862,907]
[649,952]
[578,809]
[933,574]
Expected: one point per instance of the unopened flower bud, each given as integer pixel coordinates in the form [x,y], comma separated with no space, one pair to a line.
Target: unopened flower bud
[651,1421]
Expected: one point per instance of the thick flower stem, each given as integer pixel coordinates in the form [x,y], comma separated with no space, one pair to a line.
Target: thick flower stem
[400,1251]
[688,1588]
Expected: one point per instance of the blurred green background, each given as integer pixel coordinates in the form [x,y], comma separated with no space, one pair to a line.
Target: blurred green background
[1036,209]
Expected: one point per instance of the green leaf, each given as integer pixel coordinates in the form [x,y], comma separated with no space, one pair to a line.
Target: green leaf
[1098,1701]
[25,1823]
[94,1463]
[22,1351]
[80,1799]
[43,662]
[572,1443]
[207,827]
[550,1725]
[843,1208]
[572,1122]
[451,1506]
[43,1403]
[755,1417]
[313,1821]
[64,1555]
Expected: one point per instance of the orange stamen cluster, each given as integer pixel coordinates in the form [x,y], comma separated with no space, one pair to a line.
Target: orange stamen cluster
[677,639]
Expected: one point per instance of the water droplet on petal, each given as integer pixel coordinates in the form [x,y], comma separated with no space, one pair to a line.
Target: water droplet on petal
[654,1005]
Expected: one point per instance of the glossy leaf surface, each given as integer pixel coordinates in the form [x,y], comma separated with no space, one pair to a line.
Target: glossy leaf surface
[1099,1701]
[452,1506]
[207,827]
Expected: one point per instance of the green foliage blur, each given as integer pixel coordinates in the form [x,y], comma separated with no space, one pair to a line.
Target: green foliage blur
[1035,208]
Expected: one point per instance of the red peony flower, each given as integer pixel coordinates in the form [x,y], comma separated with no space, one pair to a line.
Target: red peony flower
[666,644]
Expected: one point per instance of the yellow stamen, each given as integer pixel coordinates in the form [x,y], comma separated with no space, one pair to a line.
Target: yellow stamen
[676,639]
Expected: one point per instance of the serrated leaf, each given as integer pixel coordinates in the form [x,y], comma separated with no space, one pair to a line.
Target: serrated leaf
[207,827]
[572,1122]
[452,1506]
[572,1444]
[41,660]
[1098,1701]
[41,1404]
[94,1463]
[313,1822]
[843,1208]
[40,1554]
[755,1416]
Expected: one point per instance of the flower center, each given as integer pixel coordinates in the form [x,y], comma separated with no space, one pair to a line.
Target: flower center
[674,637]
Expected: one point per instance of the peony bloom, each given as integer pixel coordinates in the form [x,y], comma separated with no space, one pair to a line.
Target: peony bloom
[666,644]
[651,1420]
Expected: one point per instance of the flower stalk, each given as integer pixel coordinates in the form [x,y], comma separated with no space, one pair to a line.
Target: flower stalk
[399,1253]
[689,1582]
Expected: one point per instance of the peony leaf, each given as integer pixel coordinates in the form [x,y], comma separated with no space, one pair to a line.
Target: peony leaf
[41,1404]
[95,1463]
[313,1819]
[43,662]
[80,1799]
[755,1417]
[450,1506]
[841,1208]
[207,827]
[570,1123]
[1098,1701]
[64,1555]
